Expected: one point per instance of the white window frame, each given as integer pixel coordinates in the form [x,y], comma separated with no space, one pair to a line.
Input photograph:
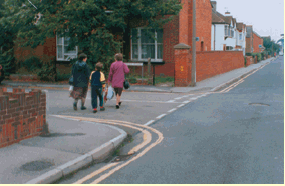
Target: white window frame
[70,56]
[140,47]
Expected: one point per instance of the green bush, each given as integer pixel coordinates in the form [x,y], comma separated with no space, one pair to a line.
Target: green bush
[248,54]
[47,72]
[62,77]
[258,57]
[163,79]
[33,64]
[245,61]
[132,80]
[7,60]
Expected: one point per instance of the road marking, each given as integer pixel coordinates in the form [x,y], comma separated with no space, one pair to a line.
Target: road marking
[193,98]
[95,173]
[172,110]
[179,98]
[241,80]
[127,124]
[180,105]
[101,178]
[186,102]
[238,82]
[234,86]
[143,101]
[150,122]
[170,101]
[159,140]
[160,116]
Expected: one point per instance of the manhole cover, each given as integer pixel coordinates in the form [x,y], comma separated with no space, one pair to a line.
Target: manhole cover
[258,104]
[37,165]
[61,134]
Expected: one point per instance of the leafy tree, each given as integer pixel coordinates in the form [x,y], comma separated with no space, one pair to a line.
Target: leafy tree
[91,24]
[267,43]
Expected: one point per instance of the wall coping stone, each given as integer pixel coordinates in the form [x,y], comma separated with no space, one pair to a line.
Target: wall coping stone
[182,46]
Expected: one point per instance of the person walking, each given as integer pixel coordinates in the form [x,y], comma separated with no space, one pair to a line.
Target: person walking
[116,77]
[80,73]
[97,81]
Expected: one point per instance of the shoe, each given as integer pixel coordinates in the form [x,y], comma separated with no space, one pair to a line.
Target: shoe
[117,107]
[94,110]
[74,106]
[102,108]
[83,108]
[120,103]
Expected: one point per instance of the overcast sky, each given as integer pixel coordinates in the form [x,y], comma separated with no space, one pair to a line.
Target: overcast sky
[266,16]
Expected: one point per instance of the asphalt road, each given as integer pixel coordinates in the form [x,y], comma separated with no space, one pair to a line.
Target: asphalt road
[234,137]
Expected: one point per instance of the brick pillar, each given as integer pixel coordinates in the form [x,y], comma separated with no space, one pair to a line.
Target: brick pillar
[182,57]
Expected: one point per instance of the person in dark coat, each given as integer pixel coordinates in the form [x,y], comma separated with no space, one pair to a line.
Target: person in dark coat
[80,73]
[2,75]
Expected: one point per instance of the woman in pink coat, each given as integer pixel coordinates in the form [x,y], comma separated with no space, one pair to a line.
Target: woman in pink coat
[116,78]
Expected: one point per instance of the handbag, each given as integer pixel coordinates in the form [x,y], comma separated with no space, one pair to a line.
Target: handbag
[70,80]
[126,84]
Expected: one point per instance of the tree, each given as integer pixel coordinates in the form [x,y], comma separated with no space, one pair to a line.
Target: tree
[91,24]
[267,43]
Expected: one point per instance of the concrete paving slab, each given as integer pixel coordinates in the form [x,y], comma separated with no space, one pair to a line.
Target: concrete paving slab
[46,159]
[19,163]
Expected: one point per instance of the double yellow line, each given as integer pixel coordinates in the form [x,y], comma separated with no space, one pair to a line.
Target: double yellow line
[240,81]
[146,140]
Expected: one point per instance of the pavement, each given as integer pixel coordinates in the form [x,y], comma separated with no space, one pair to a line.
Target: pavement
[74,144]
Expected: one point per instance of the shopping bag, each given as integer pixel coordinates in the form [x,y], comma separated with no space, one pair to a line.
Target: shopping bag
[110,93]
[70,88]
[70,81]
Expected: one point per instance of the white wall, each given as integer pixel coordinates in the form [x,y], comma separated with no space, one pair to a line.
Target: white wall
[219,36]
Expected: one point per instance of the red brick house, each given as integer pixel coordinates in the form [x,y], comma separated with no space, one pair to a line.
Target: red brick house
[161,51]
[253,41]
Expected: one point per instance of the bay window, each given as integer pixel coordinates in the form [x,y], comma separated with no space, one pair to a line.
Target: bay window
[147,44]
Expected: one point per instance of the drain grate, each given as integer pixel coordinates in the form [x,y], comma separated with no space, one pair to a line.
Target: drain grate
[37,165]
[258,104]
[49,135]
[122,158]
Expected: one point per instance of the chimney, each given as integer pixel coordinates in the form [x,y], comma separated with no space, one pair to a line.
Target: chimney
[214,4]
[227,13]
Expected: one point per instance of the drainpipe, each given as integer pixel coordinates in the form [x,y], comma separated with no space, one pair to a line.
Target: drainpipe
[214,37]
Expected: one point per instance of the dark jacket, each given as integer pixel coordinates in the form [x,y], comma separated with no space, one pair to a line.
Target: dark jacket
[81,73]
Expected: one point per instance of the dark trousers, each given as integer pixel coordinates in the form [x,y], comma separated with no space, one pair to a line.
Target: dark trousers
[96,92]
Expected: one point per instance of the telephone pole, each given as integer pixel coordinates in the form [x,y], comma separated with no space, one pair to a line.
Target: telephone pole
[193,72]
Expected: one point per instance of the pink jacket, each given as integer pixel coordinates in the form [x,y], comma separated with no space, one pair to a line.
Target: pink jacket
[117,73]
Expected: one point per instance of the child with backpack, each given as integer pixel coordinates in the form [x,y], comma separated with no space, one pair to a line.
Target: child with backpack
[97,82]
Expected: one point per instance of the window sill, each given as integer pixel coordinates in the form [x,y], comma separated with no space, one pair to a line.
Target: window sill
[159,61]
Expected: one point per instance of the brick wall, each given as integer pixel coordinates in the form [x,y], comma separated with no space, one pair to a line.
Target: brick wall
[256,42]
[212,63]
[203,25]
[22,115]
[248,45]
[45,52]
[249,60]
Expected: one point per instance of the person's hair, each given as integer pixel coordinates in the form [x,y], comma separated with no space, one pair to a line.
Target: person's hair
[119,57]
[99,66]
[82,56]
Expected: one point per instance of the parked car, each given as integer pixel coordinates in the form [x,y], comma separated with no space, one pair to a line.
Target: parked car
[2,74]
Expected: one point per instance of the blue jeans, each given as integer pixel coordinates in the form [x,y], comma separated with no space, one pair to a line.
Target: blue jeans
[96,92]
